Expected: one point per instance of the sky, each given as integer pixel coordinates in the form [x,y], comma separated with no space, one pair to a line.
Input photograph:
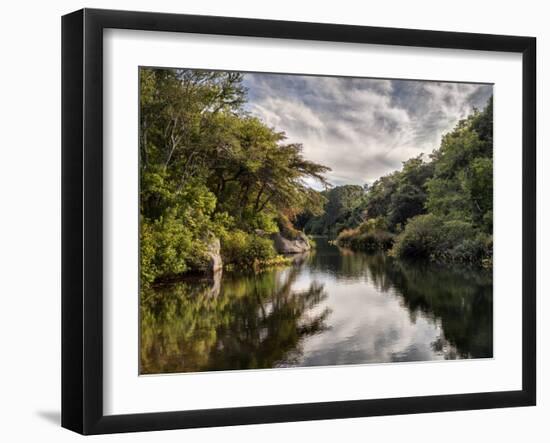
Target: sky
[361,128]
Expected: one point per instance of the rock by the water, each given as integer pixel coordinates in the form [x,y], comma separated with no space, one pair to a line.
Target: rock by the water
[291,246]
[215,263]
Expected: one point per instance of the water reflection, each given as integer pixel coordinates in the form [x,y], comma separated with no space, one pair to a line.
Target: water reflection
[331,307]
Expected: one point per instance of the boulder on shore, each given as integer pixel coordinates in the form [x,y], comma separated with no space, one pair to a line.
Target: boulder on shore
[215,262]
[298,245]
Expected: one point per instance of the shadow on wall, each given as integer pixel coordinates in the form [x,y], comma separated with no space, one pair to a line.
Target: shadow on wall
[54,417]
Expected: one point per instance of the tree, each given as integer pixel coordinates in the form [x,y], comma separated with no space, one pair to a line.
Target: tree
[462,185]
[409,197]
[207,167]
[442,208]
[340,210]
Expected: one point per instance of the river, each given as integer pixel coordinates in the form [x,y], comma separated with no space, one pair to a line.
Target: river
[331,307]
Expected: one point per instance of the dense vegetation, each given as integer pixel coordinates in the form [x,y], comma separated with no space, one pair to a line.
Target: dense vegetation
[214,177]
[440,208]
[209,172]
[342,210]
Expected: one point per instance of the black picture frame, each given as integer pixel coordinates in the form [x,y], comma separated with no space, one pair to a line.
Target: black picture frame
[82,219]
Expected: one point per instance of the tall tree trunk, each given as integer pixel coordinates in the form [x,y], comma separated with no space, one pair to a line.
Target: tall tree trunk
[257,202]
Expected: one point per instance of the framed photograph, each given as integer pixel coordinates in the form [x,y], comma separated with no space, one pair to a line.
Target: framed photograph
[269,221]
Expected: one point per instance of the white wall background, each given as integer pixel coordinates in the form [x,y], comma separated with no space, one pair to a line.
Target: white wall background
[30,218]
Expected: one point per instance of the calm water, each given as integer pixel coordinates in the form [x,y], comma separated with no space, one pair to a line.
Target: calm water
[331,307]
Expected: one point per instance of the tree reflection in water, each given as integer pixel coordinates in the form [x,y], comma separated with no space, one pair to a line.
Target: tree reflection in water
[332,306]
[460,298]
[254,321]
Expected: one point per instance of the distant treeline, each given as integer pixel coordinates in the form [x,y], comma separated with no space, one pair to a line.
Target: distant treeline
[438,208]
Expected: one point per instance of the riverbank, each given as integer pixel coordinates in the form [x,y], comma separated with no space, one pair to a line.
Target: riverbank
[426,237]
[239,250]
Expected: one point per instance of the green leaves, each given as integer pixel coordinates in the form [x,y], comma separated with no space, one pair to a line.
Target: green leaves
[339,210]
[435,238]
[459,200]
[442,208]
[207,167]
[462,186]
[246,250]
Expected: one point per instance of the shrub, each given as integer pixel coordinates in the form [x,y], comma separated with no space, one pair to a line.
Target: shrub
[420,237]
[167,249]
[264,222]
[373,225]
[454,234]
[385,239]
[345,237]
[286,228]
[260,248]
[242,249]
[432,237]
[369,236]
[233,246]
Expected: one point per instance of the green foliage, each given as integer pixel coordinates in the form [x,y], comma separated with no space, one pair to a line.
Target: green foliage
[441,209]
[176,241]
[260,249]
[419,238]
[459,225]
[462,185]
[169,249]
[395,198]
[400,195]
[258,174]
[339,211]
[372,241]
[371,235]
[373,225]
[241,249]
[233,246]
[209,168]
[286,228]
[435,238]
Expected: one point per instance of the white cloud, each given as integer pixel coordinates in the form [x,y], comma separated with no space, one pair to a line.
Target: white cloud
[294,113]
[361,128]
